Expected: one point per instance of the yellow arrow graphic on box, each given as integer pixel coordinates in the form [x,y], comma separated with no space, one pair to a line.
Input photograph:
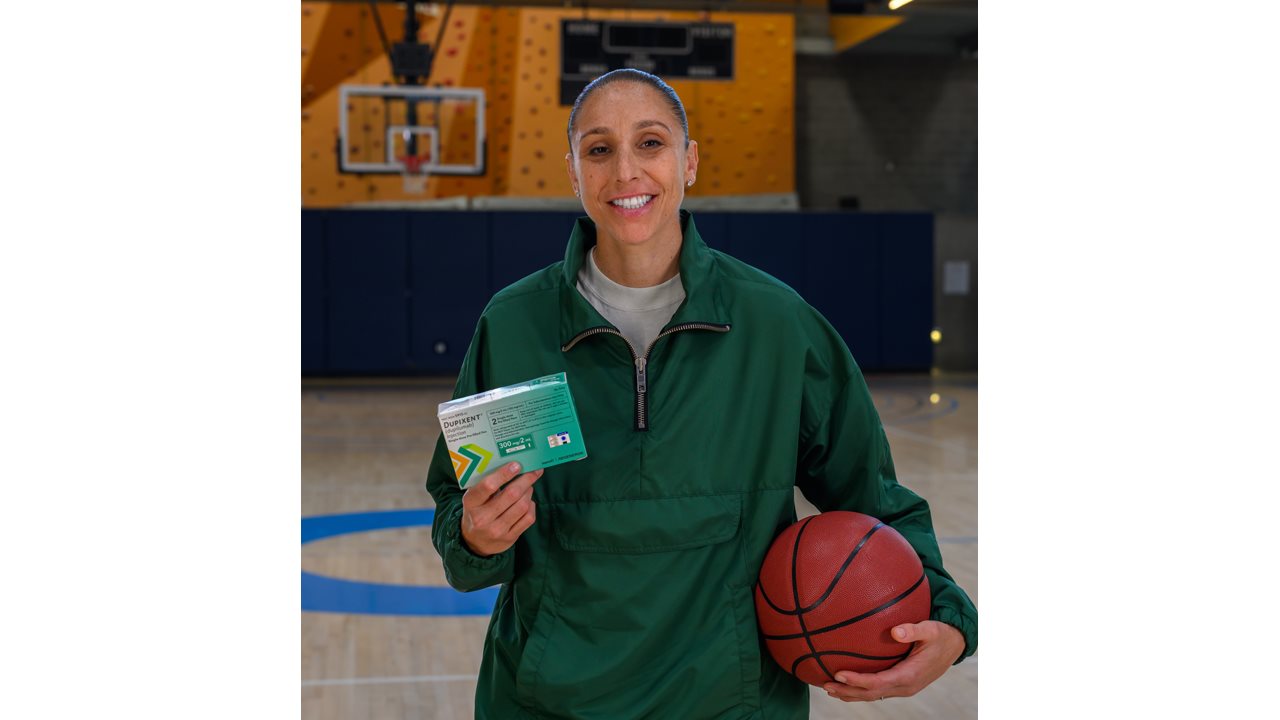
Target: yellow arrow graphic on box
[469,460]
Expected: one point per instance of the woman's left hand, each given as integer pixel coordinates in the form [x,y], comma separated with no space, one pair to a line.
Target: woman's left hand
[937,647]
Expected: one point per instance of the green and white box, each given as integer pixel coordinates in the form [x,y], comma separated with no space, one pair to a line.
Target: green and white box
[533,423]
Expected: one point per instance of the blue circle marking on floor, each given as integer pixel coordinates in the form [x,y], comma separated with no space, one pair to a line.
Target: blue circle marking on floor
[321,593]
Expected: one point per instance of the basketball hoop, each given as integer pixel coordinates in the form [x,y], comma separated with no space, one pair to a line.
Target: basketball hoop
[414,171]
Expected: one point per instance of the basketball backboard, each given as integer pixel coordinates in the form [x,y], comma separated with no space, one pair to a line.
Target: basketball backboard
[380,125]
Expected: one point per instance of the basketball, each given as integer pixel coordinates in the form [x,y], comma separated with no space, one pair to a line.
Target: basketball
[831,588]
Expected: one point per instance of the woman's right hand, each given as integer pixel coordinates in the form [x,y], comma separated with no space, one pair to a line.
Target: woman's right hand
[496,510]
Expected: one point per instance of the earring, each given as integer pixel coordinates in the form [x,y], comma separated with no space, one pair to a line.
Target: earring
[690,182]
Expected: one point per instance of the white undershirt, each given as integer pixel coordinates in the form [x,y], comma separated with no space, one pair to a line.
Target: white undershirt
[640,313]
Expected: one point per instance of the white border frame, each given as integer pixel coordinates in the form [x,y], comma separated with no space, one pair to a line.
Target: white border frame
[346,92]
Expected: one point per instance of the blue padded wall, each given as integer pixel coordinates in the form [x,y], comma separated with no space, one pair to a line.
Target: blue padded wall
[449,286]
[714,229]
[366,254]
[772,242]
[907,293]
[399,292]
[313,300]
[522,243]
[843,279]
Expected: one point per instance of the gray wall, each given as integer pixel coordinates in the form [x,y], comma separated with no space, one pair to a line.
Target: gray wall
[899,133]
[956,239]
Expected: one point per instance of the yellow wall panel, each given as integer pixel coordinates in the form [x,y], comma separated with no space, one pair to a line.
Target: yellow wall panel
[745,127]
[849,30]
[313,15]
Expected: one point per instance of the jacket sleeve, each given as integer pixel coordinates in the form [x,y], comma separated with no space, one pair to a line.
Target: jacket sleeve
[845,464]
[464,570]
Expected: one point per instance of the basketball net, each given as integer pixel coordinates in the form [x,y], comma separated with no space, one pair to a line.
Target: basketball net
[415,172]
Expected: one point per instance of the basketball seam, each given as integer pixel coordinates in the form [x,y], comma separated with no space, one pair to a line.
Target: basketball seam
[760,587]
[832,586]
[806,632]
[795,591]
[860,656]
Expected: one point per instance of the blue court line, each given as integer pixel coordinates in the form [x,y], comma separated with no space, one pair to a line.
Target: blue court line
[321,593]
[318,527]
[327,594]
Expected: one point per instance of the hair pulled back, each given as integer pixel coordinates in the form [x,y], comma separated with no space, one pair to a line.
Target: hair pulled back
[631,75]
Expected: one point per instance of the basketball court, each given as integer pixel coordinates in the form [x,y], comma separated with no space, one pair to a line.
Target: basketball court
[395,642]
[433,175]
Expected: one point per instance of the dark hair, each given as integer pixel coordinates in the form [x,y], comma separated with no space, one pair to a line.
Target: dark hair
[631,75]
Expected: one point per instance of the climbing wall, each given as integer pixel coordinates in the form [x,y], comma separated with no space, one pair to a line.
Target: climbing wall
[745,127]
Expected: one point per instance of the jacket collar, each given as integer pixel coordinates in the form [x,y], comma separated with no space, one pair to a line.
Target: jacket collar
[703,300]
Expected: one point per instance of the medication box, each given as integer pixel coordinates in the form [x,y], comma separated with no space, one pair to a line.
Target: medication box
[533,423]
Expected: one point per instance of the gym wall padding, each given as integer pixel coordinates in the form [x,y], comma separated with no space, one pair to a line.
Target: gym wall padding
[368,318]
[444,295]
[398,292]
[843,280]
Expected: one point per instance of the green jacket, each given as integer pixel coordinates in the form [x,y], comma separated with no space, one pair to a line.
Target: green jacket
[631,596]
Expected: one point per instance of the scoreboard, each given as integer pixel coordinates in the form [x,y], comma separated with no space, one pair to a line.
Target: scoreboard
[591,48]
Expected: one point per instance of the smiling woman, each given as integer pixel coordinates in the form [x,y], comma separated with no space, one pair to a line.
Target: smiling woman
[707,391]
[629,164]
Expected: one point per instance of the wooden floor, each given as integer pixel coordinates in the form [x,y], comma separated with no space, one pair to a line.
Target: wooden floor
[366,447]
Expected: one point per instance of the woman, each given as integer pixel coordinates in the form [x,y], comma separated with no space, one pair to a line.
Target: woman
[706,390]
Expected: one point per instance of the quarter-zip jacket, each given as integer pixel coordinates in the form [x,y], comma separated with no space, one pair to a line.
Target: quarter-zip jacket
[631,596]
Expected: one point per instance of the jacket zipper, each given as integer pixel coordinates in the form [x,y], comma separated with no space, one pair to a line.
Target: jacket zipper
[642,363]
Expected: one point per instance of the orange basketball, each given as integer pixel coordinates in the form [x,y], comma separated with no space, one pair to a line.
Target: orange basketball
[831,588]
